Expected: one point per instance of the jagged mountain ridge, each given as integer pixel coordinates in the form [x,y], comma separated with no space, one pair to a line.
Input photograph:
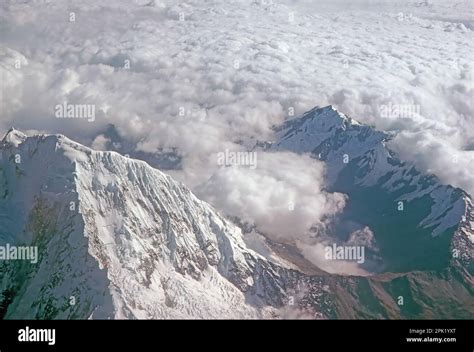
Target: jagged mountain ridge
[384,192]
[132,222]
[126,241]
[151,249]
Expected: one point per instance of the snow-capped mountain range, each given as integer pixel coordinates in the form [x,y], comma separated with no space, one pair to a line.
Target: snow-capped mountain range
[120,239]
[413,215]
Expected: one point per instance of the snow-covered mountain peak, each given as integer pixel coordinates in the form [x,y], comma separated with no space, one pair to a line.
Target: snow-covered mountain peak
[381,187]
[14,137]
[329,136]
[327,114]
[123,238]
[320,124]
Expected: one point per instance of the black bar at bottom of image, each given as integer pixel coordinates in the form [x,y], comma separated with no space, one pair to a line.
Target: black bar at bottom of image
[407,335]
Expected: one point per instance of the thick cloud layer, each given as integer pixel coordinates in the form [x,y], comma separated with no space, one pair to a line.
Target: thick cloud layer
[283,196]
[205,77]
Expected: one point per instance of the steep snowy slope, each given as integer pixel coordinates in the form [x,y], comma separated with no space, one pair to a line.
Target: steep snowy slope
[119,239]
[115,236]
[419,224]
